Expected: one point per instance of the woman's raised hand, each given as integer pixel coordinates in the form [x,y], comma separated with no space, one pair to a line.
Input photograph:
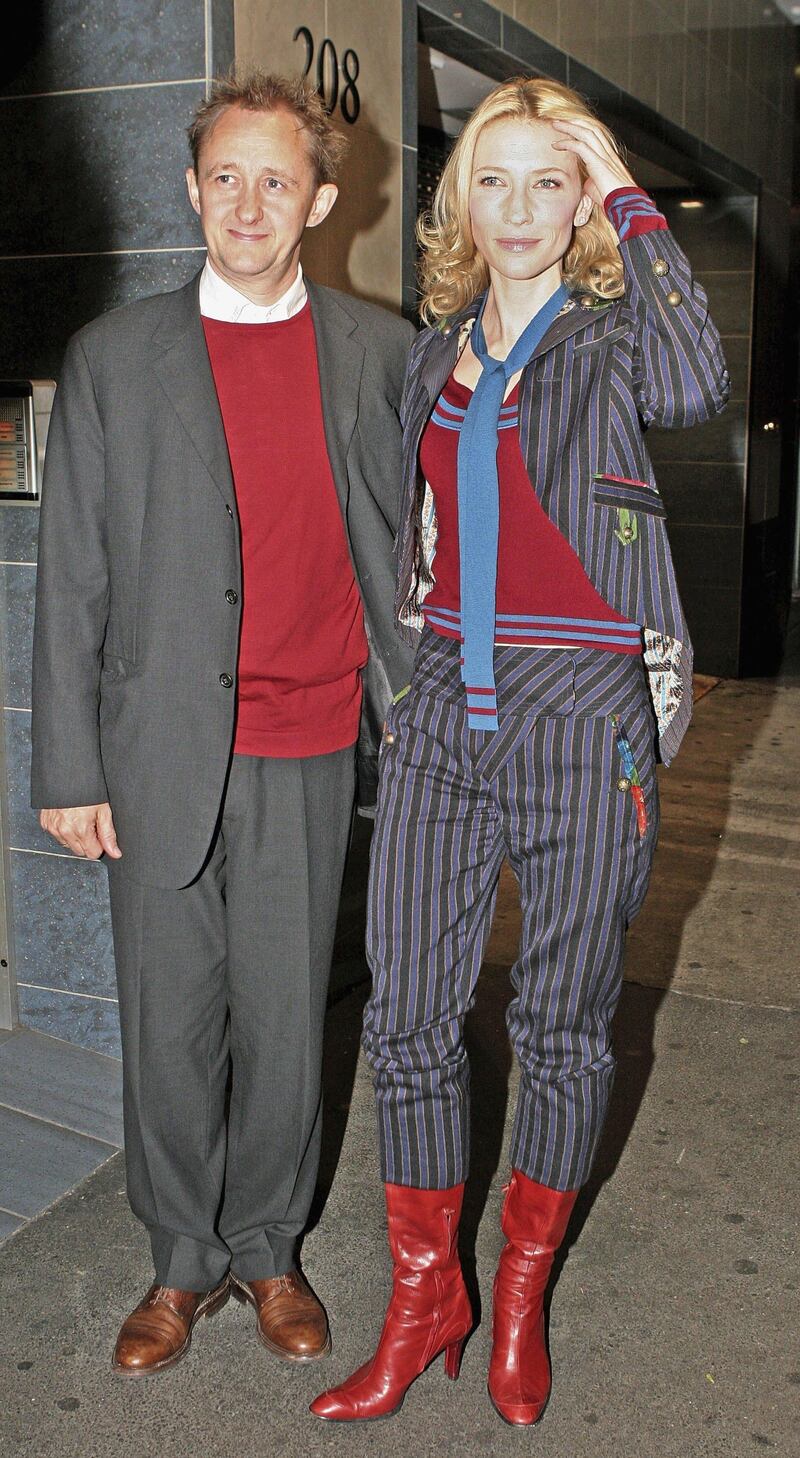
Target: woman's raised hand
[606,169]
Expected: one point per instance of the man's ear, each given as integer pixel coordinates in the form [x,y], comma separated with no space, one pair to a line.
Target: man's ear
[324,199]
[583,211]
[193,190]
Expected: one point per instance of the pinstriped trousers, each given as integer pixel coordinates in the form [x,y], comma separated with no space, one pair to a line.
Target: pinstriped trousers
[453,803]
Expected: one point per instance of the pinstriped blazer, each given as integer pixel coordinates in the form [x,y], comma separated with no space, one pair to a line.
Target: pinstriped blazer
[601,375]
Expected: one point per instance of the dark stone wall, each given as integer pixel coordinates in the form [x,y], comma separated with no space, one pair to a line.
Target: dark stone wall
[702,472]
[94,104]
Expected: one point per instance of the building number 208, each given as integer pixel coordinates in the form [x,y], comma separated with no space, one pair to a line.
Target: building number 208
[328,83]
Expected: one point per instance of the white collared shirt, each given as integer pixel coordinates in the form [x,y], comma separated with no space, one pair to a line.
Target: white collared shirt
[220,300]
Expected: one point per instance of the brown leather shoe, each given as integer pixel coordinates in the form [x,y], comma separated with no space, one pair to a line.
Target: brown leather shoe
[291,1320]
[158,1331]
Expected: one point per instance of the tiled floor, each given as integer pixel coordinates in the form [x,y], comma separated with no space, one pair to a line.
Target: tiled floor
[60,1118]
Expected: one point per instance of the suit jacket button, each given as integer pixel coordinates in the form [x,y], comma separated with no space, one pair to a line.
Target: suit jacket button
[660,267]
[226,680]
[623,784]
[231,596]
[675,297]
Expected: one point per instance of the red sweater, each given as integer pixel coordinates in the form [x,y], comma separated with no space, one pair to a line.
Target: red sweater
[302,641]
[544,597]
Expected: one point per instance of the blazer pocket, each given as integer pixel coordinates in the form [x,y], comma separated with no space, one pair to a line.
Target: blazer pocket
[630,495]
[116,669]
[604,339]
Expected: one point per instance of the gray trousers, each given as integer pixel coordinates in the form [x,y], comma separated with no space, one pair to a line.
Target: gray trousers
[222,992]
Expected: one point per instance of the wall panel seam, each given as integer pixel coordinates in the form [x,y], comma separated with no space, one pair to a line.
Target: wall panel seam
[70,992]
[96,90]
[102,253]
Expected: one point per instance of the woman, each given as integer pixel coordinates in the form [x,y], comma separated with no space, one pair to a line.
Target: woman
[554,663]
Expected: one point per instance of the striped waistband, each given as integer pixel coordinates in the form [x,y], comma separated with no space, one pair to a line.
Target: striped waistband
[521,630]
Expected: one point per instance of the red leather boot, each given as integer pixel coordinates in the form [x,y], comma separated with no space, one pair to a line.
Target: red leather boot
[429,1310]
[534,1222]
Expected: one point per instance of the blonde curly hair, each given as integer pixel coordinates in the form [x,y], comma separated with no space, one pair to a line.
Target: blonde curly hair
[452,272]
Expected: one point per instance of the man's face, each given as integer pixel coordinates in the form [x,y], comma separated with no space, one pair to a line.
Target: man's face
[256,192]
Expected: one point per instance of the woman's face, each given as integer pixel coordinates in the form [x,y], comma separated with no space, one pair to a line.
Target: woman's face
[526,197]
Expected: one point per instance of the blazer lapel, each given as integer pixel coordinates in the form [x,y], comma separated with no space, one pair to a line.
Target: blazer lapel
[439,365]
[184,370]
[574,316]
[440,359]
[435,369]
[341,363]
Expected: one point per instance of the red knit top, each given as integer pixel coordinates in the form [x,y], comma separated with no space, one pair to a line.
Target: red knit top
[303,642]
[544,597]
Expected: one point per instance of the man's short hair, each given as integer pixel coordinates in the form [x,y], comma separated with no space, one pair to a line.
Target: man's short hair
[258,91]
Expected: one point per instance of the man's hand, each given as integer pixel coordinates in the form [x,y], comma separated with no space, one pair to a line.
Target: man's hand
[87,830]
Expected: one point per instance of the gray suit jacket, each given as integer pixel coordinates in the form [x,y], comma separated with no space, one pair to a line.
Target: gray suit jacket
[135,643]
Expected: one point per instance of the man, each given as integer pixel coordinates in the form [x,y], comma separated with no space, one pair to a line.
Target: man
[215,585]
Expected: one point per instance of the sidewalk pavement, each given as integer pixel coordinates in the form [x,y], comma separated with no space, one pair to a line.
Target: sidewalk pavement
[674,1317]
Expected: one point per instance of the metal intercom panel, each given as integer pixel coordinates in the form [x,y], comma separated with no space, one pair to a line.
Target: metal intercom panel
[25,407]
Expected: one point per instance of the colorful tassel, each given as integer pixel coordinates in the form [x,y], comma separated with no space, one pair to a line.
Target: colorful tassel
[631,773]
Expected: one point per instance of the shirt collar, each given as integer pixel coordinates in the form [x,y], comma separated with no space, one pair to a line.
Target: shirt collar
[220,300]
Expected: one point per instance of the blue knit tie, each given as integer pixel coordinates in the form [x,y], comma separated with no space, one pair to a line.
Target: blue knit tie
[479,507]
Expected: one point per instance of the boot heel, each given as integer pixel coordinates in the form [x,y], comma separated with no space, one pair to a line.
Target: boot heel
[452,1358]
[428,1303]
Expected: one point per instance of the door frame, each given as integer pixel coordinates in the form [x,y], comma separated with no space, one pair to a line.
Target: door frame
[9,1001]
